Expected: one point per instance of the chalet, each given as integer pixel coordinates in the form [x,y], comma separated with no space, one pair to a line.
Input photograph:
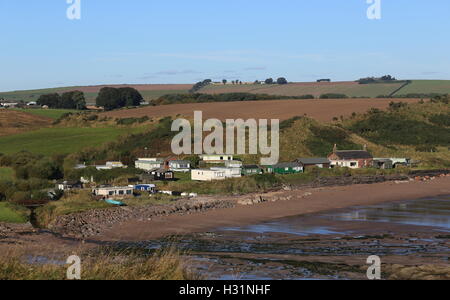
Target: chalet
[354,159]
[69,185]
[286,168]
[163,175]
[207,175]
[179,165]
[216,158]
[151,188]
[113,191]
[319,162]
[248,170]
[149,164]
[233,164]
[229,172]
[110,165]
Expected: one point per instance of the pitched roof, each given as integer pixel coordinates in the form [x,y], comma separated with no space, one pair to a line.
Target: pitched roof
[288,165]
[313,161]
[353,154]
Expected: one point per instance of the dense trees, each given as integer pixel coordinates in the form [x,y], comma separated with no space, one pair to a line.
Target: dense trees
[282,80]
[199,85]
[269,81]
[112,98]
[68,100]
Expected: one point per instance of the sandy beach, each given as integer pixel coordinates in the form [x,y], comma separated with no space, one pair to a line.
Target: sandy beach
[300,202]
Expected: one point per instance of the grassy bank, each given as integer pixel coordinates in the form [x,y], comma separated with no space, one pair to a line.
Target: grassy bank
[6,173]
[49,141]
[10,213]
[162,265]
[48,113]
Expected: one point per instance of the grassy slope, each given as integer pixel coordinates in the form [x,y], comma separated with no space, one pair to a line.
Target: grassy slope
[12,214]
[426,87]
[6,173]
[48,113]
[50,141]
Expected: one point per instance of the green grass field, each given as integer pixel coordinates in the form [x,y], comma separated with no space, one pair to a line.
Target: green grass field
[426,87]
[6,173]
[49,113]
[49,141]
[350,89]
[10,213]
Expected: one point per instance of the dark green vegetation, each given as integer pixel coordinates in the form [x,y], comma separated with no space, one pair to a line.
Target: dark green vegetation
[323,139]
[333,96]
[199,85]
[12,213]
[54,114]
[400,126]
[227,97]
[112,98]
[68,100]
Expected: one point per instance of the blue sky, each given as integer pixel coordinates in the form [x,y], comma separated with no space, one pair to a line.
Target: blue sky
[180,41]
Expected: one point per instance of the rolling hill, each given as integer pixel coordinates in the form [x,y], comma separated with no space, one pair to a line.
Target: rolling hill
[349,88]
[148,91]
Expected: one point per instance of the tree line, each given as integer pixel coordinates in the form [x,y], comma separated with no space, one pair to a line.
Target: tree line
[68,100]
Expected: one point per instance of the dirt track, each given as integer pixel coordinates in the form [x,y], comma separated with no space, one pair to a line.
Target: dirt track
[322,110]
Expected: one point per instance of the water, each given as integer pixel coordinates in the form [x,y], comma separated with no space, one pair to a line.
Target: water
[433,212]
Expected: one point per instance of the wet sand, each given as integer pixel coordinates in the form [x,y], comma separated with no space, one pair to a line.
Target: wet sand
[320,200]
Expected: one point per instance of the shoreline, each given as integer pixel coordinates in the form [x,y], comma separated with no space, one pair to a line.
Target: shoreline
[276,205]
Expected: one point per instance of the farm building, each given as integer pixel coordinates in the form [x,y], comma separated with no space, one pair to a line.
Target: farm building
[151,188]
[319,162]
[149,164]
[113,191]
[354,159]
[69,185]
[207,175]
[163,175]
[180,165]
[248,170]
[229,172]
[216,158]
[383,163]
[286,168]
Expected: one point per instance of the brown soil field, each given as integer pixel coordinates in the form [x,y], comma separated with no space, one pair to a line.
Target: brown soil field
[321,110]
[139,87]
[12,122]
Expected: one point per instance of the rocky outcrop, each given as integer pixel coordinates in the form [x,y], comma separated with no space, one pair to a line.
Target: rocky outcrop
[93,222]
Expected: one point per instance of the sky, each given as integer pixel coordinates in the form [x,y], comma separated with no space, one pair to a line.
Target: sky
[180,41]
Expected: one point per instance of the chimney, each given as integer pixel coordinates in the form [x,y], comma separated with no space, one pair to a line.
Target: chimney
[335,148]
[365,147]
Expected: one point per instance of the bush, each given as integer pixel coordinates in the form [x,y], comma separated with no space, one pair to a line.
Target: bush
[333,96]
